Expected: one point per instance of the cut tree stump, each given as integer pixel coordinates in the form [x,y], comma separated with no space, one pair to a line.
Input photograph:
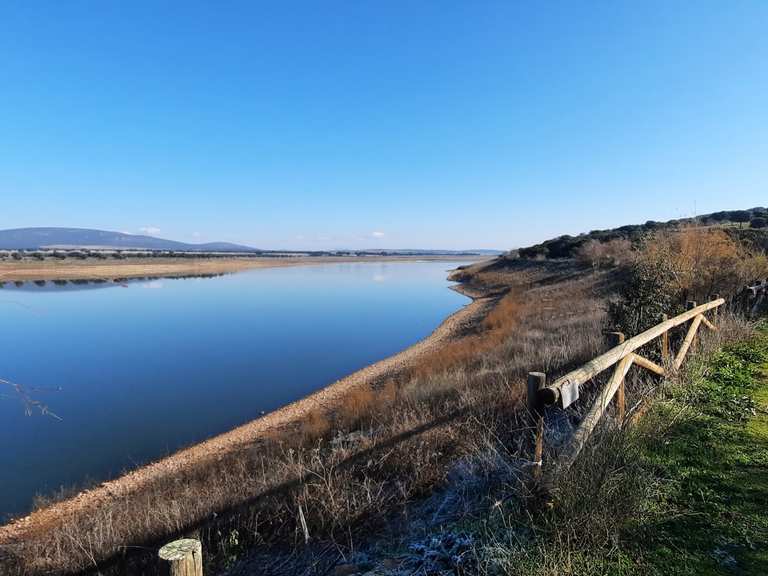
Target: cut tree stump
[184,557]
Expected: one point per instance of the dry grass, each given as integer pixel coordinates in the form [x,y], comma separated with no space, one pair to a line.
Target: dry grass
[349,470]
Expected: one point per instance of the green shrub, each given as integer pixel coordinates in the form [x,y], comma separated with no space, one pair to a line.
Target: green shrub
[649,290]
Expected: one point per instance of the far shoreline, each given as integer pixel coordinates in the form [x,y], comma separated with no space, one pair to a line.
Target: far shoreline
[152,268]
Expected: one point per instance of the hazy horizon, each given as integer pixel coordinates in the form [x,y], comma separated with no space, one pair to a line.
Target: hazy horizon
[434,126]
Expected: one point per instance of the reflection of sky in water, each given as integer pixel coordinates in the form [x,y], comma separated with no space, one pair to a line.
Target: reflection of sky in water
[147,366]
[57,286]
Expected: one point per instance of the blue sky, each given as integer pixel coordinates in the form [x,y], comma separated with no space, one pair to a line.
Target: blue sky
[379,124]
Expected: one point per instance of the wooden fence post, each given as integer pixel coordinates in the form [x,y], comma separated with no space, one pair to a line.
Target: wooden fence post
[665,343]
[690,305]
[537,381]
[184,557]
[745,298]
[615,339]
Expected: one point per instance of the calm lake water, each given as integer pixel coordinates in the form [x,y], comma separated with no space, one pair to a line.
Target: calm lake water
[147,367]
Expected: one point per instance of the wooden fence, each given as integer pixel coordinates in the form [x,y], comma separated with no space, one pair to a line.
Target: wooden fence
[565,391]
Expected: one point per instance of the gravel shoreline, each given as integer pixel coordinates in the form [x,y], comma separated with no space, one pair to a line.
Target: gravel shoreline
[185,459]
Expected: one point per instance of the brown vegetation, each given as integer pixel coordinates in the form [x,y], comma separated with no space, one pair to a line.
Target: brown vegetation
[670,268]
[704,261]
[497,326]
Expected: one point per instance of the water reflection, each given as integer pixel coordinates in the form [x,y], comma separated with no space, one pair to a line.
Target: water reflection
[91,283]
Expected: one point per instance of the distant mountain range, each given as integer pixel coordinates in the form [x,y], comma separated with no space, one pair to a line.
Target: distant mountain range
[64,238]
[80,238]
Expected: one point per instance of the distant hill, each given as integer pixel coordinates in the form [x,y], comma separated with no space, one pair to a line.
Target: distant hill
[84,238]
[748,226]
[48,238]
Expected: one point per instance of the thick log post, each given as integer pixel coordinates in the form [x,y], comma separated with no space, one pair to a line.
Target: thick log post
[184,557]
[537,381]
[616,339]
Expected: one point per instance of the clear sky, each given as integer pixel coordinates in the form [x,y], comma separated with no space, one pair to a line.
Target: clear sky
[379,124]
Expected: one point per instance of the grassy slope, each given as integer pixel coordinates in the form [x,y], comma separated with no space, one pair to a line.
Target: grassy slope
[713,508]
[683,493]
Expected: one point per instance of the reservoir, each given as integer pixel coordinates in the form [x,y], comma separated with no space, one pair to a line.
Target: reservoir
[134,371]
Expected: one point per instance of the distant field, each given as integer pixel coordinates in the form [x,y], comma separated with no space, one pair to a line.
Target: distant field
[26,269]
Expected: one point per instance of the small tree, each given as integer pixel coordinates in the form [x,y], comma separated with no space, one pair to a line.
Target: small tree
[758,222]
[616,252]
[648,291]
[592,252]
[741,216]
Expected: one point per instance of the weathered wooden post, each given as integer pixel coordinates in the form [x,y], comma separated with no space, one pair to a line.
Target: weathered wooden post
[745,299]
[184,557]
[665,342]
[537,381]
[615,339]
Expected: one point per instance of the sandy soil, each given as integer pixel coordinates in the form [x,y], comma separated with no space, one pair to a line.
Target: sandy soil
[40,521]
[11,271]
